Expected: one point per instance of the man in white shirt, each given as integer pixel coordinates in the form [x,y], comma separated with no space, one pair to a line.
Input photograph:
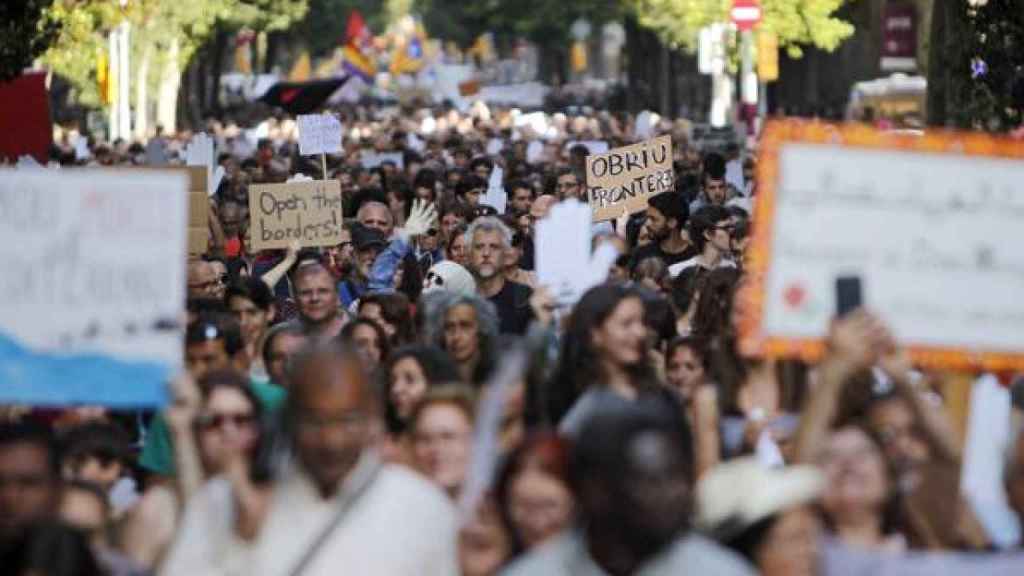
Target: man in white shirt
[335,509]
[711,232]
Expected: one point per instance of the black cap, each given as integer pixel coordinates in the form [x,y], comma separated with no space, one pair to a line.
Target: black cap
[364,237]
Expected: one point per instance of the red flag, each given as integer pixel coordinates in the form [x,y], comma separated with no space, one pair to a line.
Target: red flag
[356,33]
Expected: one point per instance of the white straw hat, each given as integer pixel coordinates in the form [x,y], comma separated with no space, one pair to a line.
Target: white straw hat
[737,494]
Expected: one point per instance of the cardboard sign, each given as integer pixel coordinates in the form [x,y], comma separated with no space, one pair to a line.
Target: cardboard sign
[309,212]
[624,178]
[371,160]
[94,286]
[319,134]
[930,224]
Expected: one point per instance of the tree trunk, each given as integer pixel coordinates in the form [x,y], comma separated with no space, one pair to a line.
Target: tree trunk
[220,48]
[170,82]
[938,77]
[274,41]
[142,90]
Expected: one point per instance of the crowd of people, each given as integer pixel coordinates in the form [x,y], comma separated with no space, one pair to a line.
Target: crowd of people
[329,416]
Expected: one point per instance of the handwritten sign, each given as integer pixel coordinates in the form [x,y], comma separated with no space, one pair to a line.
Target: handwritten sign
[309,212]
[625,177]
[319,134]
[930,224]
[93,285]
[371,160]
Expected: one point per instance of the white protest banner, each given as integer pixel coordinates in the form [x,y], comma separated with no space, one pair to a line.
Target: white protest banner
[93,286]
[496,197]
[931,225]
[592,146]
[564,262]
[319,134]
[625,177]
[371,160]
[308,211]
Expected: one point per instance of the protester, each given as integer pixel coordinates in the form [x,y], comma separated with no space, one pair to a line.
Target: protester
[489,240]
[287,525]
[377,216]
[711,231]
[369,243]
[764,514]
[281,344]
[412,371]
[214,424]
[667,216]
[319,312]
[603,361]
[29,478]
[632,475]
[533,490]
[393,312]
[466,327]
[368,338]
[442,435]
[252,304]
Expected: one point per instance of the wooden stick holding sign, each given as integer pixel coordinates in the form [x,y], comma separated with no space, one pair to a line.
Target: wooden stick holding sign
[628,176]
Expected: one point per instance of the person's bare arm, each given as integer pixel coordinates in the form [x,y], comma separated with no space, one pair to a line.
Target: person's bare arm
[181,417]
[149,528]
[218,240]
[855,342]
[707,440]
[274,275]
[938,431]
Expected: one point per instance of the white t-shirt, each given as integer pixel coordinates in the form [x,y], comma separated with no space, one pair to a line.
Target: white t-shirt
[677,268]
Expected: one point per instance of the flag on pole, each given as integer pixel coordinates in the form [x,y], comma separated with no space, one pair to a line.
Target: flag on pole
[355,57]
[408,55]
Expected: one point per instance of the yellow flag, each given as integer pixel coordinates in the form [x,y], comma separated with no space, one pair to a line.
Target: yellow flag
[578,57]
[243,58]
[103,79]
[302,68]
[767,56]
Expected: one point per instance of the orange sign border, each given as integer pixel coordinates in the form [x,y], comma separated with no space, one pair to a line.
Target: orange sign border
[752,294]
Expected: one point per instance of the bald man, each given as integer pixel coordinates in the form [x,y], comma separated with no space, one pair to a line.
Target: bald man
[369,517]
[373,214]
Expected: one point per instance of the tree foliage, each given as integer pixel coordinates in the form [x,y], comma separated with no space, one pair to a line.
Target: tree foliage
[796,22]
[25,33]
[542,21]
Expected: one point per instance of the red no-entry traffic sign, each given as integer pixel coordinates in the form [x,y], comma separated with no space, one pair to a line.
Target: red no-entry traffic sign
[746,14]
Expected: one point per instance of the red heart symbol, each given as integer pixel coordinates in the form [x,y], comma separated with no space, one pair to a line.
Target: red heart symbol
[794,295]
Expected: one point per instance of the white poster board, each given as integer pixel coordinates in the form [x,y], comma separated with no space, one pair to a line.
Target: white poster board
[93,285]
[934,234]
[564,262]
[319,134]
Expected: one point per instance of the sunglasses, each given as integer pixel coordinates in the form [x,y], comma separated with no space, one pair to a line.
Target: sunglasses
[432,232]
[218,421]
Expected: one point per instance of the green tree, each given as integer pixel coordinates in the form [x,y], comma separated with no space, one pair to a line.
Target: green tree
[26,32]
[323,27]
[796,22]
